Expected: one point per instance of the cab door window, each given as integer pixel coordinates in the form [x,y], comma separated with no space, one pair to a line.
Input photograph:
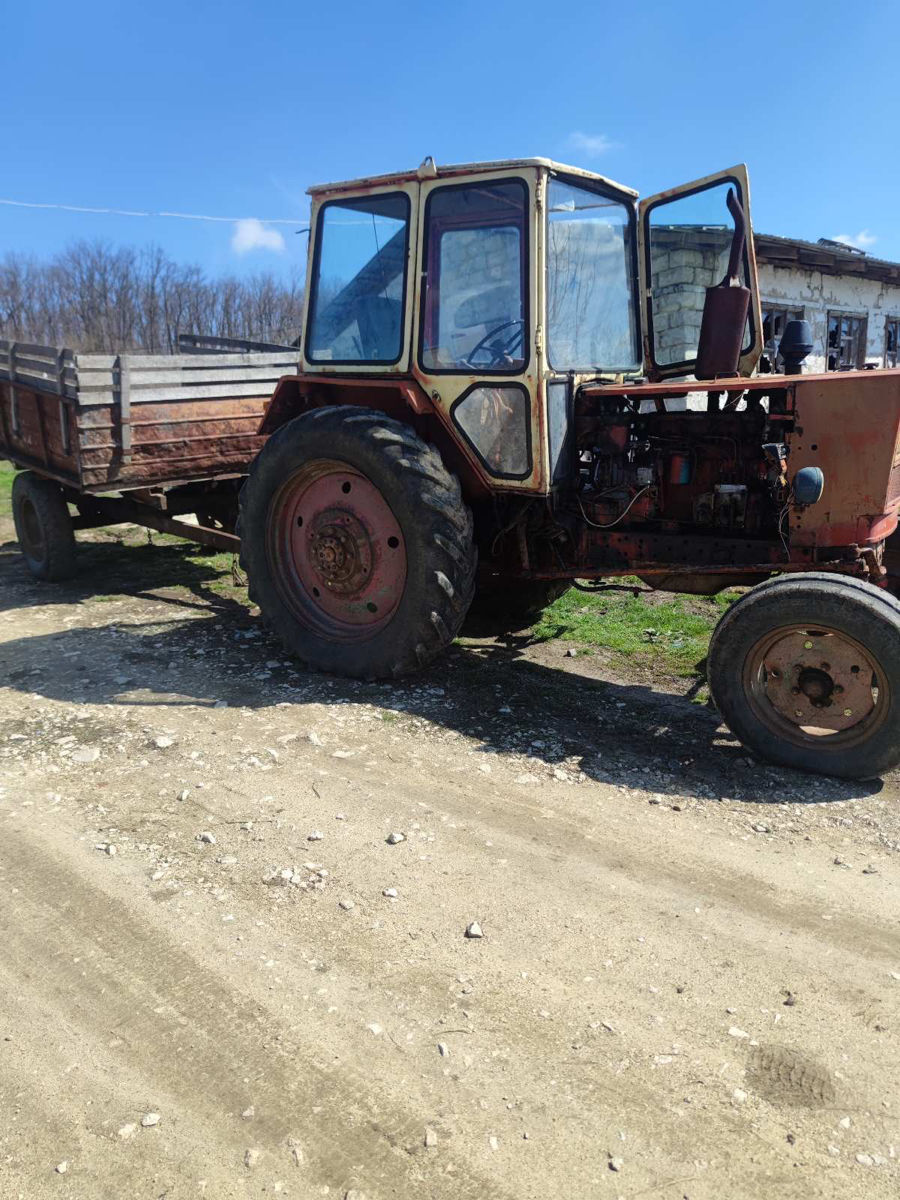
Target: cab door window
[474,310]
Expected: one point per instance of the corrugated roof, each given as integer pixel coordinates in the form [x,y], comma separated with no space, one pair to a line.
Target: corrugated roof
[793,252]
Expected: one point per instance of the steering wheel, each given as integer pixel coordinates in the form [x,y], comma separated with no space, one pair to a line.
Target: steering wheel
[501,351]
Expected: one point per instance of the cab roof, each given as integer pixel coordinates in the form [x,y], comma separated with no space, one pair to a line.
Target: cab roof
[430,170]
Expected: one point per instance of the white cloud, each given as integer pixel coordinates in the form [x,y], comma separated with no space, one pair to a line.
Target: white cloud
[861,240]
[251,234]
[591,144]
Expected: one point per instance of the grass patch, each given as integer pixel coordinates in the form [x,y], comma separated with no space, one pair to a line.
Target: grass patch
[7,475]
[669,635]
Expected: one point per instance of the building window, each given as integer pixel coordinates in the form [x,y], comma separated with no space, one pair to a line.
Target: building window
[774,321]
[892,342]
[846,342]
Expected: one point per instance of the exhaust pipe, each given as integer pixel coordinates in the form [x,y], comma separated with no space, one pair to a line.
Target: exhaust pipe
[725,310]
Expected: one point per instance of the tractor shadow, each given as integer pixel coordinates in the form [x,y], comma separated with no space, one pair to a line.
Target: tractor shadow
[200,647]
[177,573]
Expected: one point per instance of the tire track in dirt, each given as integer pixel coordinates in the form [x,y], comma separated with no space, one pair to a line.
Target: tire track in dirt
[120,976]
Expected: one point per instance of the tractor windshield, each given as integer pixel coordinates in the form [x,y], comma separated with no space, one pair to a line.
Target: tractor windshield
[359,270]
[591,316]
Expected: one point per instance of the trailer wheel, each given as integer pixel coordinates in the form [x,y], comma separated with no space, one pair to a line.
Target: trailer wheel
[805,670]
[507,605]
[357,543]
[43,527]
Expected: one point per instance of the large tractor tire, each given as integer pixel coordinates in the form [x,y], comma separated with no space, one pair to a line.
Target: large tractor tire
[508,605]
[43,527]
[805,670]
[357,543]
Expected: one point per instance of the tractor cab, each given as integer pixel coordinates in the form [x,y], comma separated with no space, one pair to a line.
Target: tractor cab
[501,288]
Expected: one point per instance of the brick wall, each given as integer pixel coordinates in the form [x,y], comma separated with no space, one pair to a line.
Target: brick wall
[681,274]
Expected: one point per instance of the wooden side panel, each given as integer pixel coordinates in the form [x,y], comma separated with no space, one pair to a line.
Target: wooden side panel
[170,441]
[39,430]
[106,422]
[176,377]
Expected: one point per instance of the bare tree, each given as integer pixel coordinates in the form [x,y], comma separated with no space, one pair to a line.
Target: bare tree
[93,297]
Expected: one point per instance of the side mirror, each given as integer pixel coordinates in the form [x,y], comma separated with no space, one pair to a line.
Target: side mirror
[725,310]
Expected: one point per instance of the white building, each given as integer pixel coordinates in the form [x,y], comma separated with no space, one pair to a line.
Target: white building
[851,300]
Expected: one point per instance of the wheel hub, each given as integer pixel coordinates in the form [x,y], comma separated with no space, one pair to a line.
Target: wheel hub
[337,551]
[342,551]
[817,685]
[819,679]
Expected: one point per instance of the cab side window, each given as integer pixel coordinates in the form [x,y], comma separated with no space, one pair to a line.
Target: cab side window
[475,315]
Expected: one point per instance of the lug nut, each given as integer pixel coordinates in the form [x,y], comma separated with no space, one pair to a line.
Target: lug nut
[848,712]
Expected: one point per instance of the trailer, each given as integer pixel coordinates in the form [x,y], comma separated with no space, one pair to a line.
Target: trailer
[137,438]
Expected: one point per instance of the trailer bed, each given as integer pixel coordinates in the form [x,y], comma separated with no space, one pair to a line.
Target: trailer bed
[102,422]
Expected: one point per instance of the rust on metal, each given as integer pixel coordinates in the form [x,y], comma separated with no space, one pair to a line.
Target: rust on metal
[337,551]
[818,679]
[725,309]
[121,511]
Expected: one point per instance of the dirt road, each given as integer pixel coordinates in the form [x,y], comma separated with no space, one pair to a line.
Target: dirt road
[218,977]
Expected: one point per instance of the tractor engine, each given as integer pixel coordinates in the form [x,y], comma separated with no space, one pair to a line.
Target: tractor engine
[681,471]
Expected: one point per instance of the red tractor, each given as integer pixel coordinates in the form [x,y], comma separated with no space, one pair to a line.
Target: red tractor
[513,375]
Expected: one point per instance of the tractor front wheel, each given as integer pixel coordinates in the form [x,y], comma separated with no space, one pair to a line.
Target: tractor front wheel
[805,670]
[44,528]
[357,543]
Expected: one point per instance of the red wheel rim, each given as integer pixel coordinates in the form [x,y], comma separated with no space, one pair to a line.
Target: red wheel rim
[336,551]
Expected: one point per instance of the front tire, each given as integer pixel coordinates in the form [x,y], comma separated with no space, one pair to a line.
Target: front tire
[805,670]
[357,544]
[44,528]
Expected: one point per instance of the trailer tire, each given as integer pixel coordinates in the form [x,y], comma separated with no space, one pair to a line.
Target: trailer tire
[508,605]
[805,670]
[357,544]
[43,527]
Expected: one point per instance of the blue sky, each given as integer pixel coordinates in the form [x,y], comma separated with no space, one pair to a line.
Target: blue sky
[232,109]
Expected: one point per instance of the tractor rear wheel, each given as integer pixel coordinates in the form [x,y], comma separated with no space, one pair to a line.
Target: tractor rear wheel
[805,670]
[43,527]
[357,543]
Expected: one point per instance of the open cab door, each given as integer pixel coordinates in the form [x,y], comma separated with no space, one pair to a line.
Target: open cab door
[697,271]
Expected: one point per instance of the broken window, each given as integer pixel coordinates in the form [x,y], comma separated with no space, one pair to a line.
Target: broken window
[774,321]
[846,342]
[892,342]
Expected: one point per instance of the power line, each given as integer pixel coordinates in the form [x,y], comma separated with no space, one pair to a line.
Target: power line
[126,212]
